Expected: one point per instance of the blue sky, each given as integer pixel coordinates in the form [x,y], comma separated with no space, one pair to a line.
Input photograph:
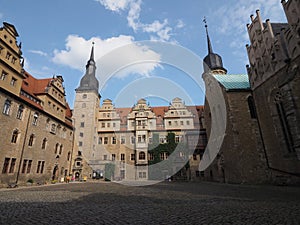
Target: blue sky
[153,49]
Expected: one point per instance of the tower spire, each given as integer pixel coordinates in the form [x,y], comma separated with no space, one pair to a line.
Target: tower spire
[207,36]
[212,62]
[92,52]
[89,81]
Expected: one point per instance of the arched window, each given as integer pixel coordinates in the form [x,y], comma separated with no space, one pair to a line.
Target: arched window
[142,156]
[252,108]
[14,137]
[31,139]
[20,112]
[69,156]
[84,96]
[6,107]
[44,143]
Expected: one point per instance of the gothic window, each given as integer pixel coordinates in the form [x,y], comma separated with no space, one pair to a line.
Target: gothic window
[31,138]
[14,137]
[279,97]
[7,106]
[56,148]
[142,156]
[20,112]
[252,108]
[60,149]
[44,143]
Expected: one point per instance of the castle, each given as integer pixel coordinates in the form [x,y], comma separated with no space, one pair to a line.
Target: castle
[246,132]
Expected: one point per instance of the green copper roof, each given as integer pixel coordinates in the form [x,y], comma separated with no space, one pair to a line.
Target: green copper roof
[230,81]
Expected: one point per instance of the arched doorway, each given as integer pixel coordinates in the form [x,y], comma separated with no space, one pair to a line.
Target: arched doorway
[55,173]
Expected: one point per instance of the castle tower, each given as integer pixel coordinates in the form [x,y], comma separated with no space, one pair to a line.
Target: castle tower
[86,107]
[212,62]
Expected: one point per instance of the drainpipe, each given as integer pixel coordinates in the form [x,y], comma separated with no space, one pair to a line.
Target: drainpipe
[23,147]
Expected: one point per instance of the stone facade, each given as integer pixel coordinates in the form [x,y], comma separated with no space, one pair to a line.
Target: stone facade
[261,140]
[37,132]
[274,56]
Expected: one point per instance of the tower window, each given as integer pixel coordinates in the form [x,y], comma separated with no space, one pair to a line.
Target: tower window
[20,112]
[252,108]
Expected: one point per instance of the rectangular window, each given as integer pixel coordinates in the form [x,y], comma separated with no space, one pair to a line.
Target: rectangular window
[38,166]
[181,123]
[142,174]
[114,124]
[113,140]
[29,166]
[113,157]
[6,107]
[24,166]
[103,125]
[13,81]
[177,139]
[12,165]
[151,156]
[80,143]
[105,140]
[108,124]
[5,165]
[82,124]
[42,167]
[3,75]
[123,139]
[132,157]
[81,134]
[122,156]
[100,140]
[133,140]
[104,157]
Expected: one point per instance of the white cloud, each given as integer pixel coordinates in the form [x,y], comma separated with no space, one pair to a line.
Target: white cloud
[180,24]
[120,56]
[114,5]
[158,30]
[38,52]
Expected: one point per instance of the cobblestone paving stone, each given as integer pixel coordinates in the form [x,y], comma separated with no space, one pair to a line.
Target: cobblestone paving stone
[163,203]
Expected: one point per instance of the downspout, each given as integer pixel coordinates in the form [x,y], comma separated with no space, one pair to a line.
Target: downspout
[23,148]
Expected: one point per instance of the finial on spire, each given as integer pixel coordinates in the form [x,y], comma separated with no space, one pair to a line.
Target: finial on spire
[208,39]
[92,52]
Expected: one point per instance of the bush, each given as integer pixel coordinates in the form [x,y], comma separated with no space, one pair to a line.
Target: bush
[30,181]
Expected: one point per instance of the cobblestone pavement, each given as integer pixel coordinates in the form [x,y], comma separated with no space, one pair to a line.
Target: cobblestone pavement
[163,203]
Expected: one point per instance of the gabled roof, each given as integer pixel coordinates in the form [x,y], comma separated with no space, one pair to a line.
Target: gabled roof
[233,82]
[11,28]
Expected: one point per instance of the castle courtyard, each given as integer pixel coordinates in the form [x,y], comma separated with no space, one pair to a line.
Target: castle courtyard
[162,203]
